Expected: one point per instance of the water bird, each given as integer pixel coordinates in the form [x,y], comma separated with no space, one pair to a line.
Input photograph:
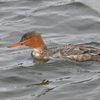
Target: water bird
[79,52]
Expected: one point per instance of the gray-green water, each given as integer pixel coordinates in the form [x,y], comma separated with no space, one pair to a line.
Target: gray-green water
[59,22]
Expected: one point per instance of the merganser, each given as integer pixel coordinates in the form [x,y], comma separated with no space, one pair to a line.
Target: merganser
[77,52]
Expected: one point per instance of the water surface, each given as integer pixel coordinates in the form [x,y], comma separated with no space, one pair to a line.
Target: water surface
[59,22]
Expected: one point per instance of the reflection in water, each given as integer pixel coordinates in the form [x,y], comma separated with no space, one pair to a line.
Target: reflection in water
[45,91]
[44,82]
[88,80]
[40,61]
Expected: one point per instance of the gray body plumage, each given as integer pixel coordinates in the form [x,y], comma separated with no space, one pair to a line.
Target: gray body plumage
[73,51]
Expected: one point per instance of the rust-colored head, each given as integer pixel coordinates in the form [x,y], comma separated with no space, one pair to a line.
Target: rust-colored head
[31,39]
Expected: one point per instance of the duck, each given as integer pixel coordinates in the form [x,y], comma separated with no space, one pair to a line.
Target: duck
[78,52]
